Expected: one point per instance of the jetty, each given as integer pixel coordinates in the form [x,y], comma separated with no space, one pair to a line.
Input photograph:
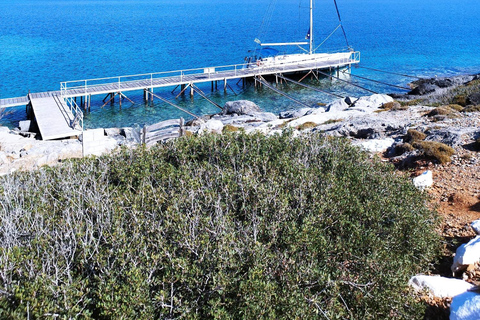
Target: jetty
[59,116]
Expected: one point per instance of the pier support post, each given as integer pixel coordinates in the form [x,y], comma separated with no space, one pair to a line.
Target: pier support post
[212,86]
[225,85]
[191,91]
[216,85]
[183,90]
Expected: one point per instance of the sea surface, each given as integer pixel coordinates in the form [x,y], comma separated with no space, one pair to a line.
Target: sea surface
[44,42]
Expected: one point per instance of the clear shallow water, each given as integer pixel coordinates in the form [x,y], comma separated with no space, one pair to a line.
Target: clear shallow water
[45,42]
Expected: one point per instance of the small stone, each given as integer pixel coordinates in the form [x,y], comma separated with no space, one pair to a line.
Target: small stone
[423,181]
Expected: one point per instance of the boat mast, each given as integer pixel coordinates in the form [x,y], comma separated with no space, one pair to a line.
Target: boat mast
[311,26]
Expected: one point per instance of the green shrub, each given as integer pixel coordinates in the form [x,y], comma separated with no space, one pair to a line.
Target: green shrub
[219,227]
[435,150]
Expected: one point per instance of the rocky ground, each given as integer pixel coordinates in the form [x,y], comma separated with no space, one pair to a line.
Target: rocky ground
[434,127]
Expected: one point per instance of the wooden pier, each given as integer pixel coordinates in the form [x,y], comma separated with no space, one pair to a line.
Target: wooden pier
[68,114]
[54,118]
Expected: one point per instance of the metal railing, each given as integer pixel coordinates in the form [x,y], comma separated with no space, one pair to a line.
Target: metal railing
[74,109]
[150,80]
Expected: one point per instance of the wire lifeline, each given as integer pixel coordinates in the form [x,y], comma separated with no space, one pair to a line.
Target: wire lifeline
[398,74]
[351,83]
[381,82]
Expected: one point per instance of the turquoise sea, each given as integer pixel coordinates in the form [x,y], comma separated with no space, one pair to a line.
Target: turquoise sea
[44,42]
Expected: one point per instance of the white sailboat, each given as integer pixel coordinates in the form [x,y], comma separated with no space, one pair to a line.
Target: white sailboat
[308,57]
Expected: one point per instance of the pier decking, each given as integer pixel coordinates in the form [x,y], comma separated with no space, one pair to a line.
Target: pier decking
[58,115]
[54,119]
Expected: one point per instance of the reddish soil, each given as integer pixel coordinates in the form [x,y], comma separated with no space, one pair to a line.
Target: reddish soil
[456,197]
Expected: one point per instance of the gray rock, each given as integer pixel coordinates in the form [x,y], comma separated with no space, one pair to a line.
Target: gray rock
[264,116]
[350,100]
[337,105]
[112,132]
[474,99]
[295,113]
[131,134]
[424,88]
[368,127]
[240,107]
[448,136]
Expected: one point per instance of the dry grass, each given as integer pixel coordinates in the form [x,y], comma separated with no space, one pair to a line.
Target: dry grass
[414,135]
[472,109]
[331,121]
[436,150]
[307,125]
[229,128]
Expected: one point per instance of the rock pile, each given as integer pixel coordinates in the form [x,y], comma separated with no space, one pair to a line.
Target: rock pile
[465,296]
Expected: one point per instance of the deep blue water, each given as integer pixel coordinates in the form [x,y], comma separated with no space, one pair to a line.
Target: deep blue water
[45,42]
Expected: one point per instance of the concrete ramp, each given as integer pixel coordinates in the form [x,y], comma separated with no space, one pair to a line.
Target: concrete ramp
[53,118]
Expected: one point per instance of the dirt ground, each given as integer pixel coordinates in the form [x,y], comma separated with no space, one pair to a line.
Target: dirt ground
[456,196]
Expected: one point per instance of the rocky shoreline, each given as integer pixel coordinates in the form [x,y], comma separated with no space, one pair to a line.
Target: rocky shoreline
[420,131]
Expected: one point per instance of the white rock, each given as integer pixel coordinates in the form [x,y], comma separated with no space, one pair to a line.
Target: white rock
[214,126]
[476,226]
[240,107]
[468,253]
[465,306]
[375,145]
[376,100]
[337,105]
[439,287]
[423,181]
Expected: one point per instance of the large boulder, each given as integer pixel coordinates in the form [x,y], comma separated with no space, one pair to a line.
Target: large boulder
[424,88]
[476,226]
[240,107]
[449,136]
[474,99]
[465,306]
[467,254]
[440,287]
[213,126]
[337,105]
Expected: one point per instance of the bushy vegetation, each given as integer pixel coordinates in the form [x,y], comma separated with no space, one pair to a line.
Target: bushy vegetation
[435,150]
[219,227]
